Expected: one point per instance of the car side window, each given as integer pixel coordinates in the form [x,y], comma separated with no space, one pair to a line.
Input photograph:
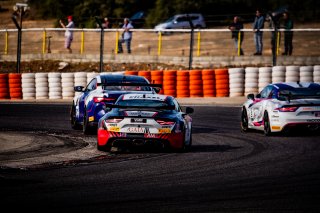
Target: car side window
[265,93]
[177,106]
[92,85]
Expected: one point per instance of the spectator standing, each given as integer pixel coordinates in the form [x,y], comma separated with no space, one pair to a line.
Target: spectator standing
[258,25]
[235,28]
[126,36]
[68,34]
[106,23]
[288,34]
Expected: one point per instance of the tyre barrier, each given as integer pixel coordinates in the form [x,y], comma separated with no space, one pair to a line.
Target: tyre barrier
[265,77]
[4,87]
[55,90]
[278,74]
[157,78]
[67,84]
[15,88]
[183,84]
[222,82]
[230,82]
[292,74]
[236,81]
[306,73]
[169,82]
[146,74]
[251,80]
[208,83]
[28,84]
[316,73]
[42,85]
[195,83]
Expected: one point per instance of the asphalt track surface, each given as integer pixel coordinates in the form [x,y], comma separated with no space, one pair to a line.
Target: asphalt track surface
[225,171]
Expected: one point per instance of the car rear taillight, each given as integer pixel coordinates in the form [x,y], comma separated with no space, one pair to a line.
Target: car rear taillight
[287,109]
[103,99]
[113,120]
[162,122]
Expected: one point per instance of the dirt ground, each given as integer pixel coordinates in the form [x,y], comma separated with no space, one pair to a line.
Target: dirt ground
[55,66]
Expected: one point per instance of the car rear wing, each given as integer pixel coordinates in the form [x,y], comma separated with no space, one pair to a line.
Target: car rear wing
[172,107]
[130,84]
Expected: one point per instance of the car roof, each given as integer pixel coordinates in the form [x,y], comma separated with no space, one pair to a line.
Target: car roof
[120,78]
[291,85]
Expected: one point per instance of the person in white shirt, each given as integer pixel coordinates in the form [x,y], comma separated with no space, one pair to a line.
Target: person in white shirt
[126,36]
[68,34]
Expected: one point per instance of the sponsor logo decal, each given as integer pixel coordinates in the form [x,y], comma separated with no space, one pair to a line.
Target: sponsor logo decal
[113,129]
[165,130]
[91,118]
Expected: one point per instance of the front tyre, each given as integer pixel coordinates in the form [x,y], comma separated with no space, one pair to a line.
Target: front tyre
[87,130]
[244,120]
[73,118]
[266,122]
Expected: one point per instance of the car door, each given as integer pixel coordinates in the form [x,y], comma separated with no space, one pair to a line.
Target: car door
[257,108]
[89,88]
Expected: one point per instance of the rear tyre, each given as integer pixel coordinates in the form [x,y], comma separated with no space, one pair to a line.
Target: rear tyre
[266,122]
[244,120]
[73,118]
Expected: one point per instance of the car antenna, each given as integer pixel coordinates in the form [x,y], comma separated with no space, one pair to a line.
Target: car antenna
[298,82]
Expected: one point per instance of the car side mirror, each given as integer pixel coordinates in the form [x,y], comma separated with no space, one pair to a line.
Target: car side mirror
[78,88]
[250,96]
[156,89]
[189,110]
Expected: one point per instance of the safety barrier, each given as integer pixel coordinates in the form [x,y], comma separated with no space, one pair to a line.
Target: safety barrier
[230,82]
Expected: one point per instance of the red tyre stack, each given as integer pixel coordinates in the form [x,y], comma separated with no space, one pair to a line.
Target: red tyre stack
[208,82]
[183,84]
[195,83]
[222,82]
[146,74]
[130,72]
[15,88]
[169,82]
[157,78]
[4,89]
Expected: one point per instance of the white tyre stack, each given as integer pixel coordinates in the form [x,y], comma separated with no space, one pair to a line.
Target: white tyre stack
[55,90]
[278,74]
[292,74]
[28,86]
[80,79]
[265,77]
[306,74]
[236,82]
[251,80]
[316,73]
[67,84]
[90,76]
[42,89]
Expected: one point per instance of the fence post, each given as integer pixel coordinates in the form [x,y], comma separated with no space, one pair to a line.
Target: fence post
[117,41]
[198,46]
[239,43]
[159,43]
[44,37]
[6,41]
[82,42]
[278,42]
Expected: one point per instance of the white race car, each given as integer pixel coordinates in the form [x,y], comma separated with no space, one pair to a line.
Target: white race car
[281,107]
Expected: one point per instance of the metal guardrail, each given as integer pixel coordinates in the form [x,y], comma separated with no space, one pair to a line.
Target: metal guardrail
[173,42]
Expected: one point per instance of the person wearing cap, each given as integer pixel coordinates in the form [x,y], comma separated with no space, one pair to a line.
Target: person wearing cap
[126,36]
[68,34]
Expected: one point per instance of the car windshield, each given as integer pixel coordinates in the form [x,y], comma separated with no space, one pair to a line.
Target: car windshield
[296,93]
[169,20]
[145,103]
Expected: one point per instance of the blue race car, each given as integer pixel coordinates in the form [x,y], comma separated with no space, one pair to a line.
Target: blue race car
[89,106]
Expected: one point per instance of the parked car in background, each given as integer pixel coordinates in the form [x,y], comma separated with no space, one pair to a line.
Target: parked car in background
[181,21]
[138,19]
[281,107]
[89,105]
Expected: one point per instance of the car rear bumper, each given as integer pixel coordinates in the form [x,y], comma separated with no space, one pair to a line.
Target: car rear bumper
[173,140]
